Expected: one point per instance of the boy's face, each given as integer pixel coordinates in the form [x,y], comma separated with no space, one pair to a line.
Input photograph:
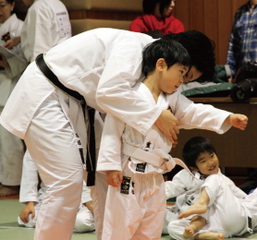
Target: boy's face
[172,77]
[207,164]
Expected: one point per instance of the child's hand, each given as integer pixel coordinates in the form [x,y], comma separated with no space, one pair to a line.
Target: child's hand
[12,42]
[29,209]
[238,121]
[114,178]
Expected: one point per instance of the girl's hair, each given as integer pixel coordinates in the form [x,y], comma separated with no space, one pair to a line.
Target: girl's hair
[149,5]
[200,49]
[194,147]
[172,52]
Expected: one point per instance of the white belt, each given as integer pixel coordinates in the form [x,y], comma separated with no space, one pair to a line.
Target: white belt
[156,157]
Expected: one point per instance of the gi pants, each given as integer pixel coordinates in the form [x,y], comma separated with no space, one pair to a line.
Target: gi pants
[139,212]
[52,142]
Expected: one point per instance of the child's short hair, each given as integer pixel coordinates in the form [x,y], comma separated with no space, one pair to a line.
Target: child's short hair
[171,51]
[194,147]
[201,51]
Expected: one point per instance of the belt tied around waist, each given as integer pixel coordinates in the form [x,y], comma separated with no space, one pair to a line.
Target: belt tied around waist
[156,157]
[91,155]
[40,61]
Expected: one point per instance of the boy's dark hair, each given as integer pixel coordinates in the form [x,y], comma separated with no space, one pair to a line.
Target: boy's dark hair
[172,52]
[149,5]
[200,49]
[194,147]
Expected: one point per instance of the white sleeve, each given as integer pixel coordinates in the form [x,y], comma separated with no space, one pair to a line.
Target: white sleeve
[197,115]
[109,157]
[115,95]
[235,190]
[29,180]
[176,186]
[17,66]
[86,193]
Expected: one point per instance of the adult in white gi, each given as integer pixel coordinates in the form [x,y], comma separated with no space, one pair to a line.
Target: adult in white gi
[136,209]
[46,25]
[12,151]
[32,197]
[48,119]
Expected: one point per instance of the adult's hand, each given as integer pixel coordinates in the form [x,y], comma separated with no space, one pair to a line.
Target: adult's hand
[168,123]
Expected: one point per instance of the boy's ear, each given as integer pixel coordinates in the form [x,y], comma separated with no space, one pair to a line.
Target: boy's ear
[160,64]
[194,169]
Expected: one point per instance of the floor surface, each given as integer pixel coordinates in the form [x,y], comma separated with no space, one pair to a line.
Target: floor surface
[10,230]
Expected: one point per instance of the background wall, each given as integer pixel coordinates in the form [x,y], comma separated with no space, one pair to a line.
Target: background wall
[212,17]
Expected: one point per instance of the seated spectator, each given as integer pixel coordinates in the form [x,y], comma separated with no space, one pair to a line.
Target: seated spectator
[32,197]
[157,18]
[242,46]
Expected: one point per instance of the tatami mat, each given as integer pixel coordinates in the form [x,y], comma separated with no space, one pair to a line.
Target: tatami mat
[10,230]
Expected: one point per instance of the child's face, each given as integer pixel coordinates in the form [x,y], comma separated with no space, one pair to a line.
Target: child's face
[207,163]
[172,77]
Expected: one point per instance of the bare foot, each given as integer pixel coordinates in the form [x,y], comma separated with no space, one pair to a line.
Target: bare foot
[196,208]
[189,232]
[7,191]
[210,236]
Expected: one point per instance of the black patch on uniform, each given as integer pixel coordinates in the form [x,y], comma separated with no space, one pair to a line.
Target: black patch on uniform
[141,167]
[125,185]
[148,144]
[189,200]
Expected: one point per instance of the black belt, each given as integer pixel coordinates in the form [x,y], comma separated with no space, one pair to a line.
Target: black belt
[91,155]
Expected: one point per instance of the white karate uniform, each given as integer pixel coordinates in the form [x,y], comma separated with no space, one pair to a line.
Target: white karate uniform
[139,212]
[46,25]
[29,193]
[48,119]
[186,189]
[229,207]
[12,147]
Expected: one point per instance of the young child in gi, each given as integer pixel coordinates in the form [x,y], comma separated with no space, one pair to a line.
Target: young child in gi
[134,163]
[187,190]
[230,211]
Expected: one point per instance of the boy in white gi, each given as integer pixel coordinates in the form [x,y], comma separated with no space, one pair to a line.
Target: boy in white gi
[101,65]
[230,212]
[32,198]
[134,163]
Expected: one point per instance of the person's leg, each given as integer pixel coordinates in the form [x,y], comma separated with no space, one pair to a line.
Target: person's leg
[98,194]
[177,227]
[210,235]
[199,207]
[170,216]
[153,203]
[53,146]
[197,222]
[84,220]
[12,156]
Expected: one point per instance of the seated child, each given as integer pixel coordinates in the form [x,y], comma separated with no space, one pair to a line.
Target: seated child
[134,163]
[186,189]
[231,212]
[32,197]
